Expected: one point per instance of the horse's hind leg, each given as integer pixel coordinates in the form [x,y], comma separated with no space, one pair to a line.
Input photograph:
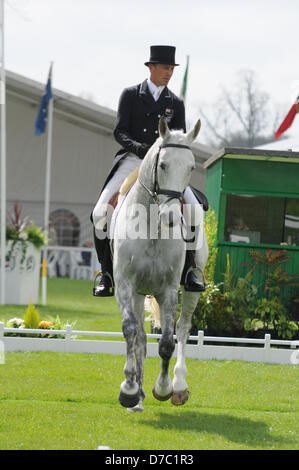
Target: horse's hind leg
[180,389]
[168,304]
[129,389]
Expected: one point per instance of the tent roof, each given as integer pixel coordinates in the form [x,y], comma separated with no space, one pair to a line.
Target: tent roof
[73,108]
[253,154]
[289,144]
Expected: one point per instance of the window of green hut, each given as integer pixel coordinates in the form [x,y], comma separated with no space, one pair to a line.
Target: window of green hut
[255,219]
[291,222]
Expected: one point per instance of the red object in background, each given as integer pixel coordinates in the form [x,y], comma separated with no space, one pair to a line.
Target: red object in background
[288,120]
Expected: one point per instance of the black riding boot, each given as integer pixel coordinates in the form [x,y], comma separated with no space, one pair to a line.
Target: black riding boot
[189,279]
[103,283]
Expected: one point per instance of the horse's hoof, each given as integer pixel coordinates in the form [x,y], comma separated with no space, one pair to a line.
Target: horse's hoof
[158,397]
[128,401]
[180,398]
[137,409]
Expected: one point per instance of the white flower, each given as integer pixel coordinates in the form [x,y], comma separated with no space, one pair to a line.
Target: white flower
[23,236]
[15,323]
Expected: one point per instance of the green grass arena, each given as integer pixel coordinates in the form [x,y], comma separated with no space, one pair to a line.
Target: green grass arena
[70,401]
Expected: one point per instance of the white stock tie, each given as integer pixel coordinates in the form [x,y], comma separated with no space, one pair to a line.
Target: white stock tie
[156,94]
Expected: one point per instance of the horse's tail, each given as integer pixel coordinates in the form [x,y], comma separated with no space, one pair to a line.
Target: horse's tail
[152,306]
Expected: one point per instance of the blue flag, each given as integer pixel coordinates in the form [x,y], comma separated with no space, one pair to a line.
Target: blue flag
[41,120]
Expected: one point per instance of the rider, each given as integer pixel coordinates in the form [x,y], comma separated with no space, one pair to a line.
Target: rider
[136,129]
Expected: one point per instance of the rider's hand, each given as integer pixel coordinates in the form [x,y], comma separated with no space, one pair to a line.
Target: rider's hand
[143,149]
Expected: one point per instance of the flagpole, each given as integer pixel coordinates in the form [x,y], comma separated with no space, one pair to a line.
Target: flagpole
[3,157]
[47,193]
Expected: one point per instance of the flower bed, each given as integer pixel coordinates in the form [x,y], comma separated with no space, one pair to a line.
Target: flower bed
[32,320]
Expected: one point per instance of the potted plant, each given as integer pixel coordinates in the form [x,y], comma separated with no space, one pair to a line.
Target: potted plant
[23,254]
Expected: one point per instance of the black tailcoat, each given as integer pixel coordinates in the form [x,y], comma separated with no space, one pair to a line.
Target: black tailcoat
[136,125]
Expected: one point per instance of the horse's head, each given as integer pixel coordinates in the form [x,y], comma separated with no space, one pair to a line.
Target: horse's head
[172,169]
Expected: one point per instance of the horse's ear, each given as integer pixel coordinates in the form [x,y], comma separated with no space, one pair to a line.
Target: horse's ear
[194,132]
[163,128]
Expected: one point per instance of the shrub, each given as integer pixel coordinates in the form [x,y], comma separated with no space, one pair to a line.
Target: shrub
[271,263]
[273,315]
[211,227]
[31,317]
[224,308]
[225,312]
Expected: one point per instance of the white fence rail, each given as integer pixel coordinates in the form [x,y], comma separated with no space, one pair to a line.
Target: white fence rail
[264,350]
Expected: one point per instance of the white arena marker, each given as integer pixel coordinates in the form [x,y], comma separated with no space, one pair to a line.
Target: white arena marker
[295,357]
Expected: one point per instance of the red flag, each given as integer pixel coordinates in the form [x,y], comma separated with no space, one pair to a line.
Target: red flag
[288,120]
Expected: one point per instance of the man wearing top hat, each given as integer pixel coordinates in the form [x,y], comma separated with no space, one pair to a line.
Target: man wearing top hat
[136,129]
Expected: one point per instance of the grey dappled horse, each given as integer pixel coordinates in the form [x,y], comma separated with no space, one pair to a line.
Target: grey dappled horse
[152,265]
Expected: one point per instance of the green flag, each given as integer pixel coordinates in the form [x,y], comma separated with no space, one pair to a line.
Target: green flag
[184,84]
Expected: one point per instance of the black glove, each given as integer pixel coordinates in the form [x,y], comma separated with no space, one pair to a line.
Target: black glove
[142,150]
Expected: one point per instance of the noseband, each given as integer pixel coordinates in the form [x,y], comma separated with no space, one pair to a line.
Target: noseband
[157,190]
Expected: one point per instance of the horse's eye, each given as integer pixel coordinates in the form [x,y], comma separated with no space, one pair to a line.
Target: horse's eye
[162,166]
[193,167]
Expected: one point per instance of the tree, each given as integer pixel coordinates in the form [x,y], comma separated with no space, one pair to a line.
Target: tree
[242,117]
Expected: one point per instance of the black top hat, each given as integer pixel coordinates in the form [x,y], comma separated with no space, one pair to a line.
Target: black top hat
[162,55]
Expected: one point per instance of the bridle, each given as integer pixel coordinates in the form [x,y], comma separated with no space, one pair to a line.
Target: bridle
[157,190]
[168,192]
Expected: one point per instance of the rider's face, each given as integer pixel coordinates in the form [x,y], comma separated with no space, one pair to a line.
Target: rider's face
[160,74]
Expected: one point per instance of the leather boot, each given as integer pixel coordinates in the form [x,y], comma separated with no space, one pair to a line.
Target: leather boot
[103,284]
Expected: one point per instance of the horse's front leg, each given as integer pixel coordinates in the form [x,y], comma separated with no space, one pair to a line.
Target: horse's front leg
[162,390]
[129,389]
[180,389]
[140,349]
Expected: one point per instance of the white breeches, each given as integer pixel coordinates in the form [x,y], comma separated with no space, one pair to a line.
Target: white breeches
[126,166]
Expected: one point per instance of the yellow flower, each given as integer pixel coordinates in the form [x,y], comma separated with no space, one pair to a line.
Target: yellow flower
[45,324]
